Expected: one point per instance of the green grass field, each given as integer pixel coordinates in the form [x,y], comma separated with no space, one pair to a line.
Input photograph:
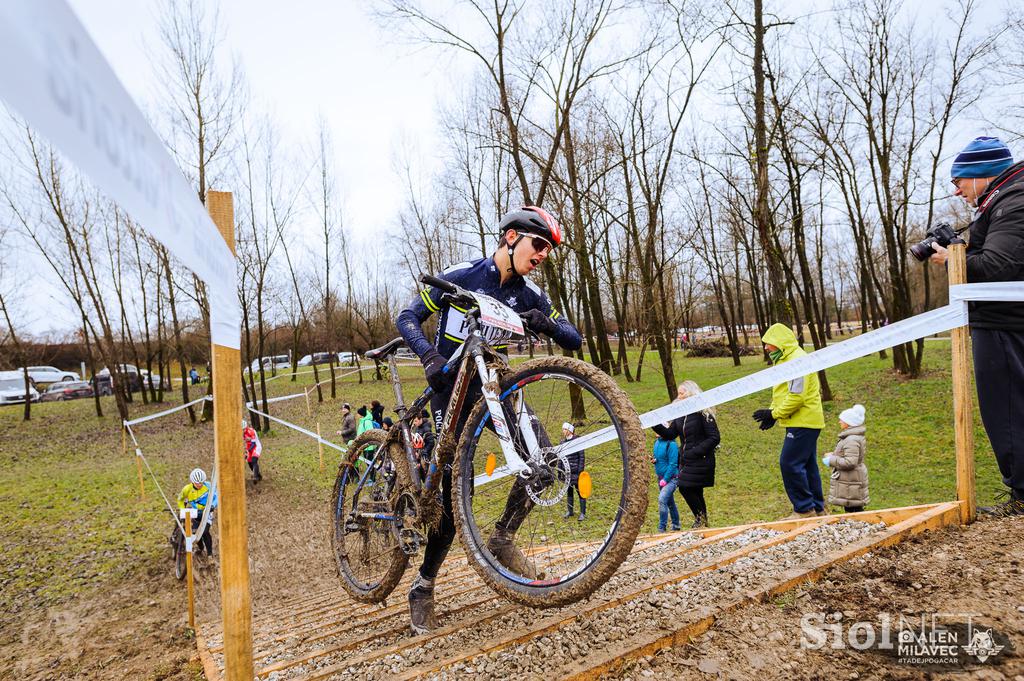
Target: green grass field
[72,518]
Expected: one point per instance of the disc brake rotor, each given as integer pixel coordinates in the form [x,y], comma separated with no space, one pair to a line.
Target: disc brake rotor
[549,482]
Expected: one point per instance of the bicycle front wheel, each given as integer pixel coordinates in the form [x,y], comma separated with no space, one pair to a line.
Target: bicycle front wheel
[180,566]
[364,538]
[555,536]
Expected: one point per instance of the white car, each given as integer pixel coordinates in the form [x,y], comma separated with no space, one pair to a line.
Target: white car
[12,388]
[273,362]
[51,375]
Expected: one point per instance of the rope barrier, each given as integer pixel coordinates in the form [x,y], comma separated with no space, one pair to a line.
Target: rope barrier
[302,430]
[138,452]
[150,417]
[172,509]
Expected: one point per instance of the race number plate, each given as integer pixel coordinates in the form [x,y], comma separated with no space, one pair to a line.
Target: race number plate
[498,316]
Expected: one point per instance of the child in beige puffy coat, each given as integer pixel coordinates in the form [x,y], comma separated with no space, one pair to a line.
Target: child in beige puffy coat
[849,479]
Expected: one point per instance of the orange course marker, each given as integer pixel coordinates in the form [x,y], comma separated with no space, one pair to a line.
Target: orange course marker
[585,486]
[492,463]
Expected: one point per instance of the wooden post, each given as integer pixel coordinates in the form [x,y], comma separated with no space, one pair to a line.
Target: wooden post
[963,404]
[186,515]
[320,446]
[236,606]
[138,461]
[138,467]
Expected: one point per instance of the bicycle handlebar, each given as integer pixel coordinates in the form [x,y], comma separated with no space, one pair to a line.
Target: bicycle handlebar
[439,283]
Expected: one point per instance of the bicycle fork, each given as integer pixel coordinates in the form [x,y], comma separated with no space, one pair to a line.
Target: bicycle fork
[490,389]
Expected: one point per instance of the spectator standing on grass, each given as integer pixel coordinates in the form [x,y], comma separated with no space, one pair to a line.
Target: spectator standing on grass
[848,484]
[253,450]
[194,375]
[796,406]
[699,437]
[365,421]
[377,412]
[386,424]
[666,467]
[988,180]
[348,424]
[577,462]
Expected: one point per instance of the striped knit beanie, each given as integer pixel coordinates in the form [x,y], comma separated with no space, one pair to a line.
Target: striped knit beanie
[984,157]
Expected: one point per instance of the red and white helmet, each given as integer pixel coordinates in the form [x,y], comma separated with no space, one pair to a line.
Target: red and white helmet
[535,221]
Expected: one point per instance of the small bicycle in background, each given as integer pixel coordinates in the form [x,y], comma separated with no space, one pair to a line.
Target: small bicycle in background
[507,472]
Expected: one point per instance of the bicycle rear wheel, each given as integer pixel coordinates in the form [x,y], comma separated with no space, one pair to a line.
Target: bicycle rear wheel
[517,531]
[364,538]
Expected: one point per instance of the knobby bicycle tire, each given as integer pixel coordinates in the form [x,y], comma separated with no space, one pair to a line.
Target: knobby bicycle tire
[394,562]
[180,565]
[633,506]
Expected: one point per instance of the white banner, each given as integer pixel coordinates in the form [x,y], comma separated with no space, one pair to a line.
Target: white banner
[55,77]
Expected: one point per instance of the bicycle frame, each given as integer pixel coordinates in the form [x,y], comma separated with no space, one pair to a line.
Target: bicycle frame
[471,362]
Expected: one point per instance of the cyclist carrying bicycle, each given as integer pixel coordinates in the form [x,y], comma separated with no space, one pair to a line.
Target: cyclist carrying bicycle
[526,238]
[196,494]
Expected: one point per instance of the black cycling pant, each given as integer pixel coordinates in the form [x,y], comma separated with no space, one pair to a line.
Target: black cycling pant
[206,541]
[517,507]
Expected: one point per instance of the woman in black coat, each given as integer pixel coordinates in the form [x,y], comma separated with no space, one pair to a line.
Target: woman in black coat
[698,437]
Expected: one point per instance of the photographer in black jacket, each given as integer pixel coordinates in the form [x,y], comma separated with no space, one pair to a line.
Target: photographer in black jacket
[986,177]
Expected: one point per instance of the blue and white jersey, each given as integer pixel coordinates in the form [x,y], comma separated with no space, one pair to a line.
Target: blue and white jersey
[479,276]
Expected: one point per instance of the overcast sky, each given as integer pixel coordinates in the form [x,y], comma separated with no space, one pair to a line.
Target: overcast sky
[303,59]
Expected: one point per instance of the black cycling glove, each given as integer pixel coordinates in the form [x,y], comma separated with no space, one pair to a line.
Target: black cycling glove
[433,366]
[765,418]
[538,322]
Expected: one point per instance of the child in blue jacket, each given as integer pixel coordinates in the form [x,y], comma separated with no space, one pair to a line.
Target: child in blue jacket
[666,467]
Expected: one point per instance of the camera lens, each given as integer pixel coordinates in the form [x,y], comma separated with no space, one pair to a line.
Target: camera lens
[923,250]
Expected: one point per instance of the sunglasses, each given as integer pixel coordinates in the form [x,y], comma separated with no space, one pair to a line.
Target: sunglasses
[539,243]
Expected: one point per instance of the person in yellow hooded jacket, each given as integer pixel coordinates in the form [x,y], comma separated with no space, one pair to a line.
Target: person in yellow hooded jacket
[796,406]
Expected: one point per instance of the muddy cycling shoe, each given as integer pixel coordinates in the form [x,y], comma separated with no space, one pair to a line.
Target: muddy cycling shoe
[1014,505]
[503,546]
[422,619]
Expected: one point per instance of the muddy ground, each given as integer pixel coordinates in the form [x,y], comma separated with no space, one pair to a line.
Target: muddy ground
[978,570]
[131,623]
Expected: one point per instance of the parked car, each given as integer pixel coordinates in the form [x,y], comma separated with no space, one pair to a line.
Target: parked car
[272,362]
[347,358]
[12,388]
[104,385]
[47,374]
[66,390]
[315,358]
[144,377]
[131,373]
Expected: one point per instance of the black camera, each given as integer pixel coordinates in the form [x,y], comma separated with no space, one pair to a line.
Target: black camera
[941,234]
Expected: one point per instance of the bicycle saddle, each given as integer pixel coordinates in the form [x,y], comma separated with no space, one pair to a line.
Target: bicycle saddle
[387,349]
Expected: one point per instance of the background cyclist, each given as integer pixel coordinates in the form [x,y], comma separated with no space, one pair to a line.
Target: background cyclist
[196,494]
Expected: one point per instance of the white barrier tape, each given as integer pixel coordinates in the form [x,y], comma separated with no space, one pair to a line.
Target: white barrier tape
[302,430]
[942,319]
[993,291]
[208,509]
[165,412]
[271,400]
[926,324]
[65,89]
